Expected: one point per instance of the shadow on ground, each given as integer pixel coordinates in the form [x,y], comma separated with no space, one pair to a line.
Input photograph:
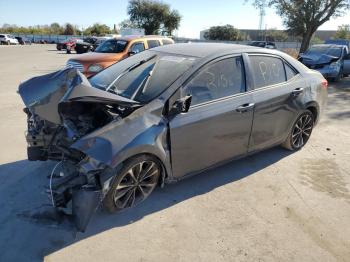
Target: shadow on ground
[22,192]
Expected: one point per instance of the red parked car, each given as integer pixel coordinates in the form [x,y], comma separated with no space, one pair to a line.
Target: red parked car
[62,45]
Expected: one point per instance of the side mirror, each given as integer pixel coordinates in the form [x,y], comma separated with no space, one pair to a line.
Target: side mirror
[181,105]
[131,53]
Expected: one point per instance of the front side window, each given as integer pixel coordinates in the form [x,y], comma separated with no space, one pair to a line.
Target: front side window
[267,70]
[220,79]
[152,43]
[137,47]
[111,46]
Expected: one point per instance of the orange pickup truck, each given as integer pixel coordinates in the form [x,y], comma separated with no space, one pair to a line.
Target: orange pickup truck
[114,50]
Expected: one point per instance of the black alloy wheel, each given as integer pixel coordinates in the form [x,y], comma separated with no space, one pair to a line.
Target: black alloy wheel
[133,184]
[301,131]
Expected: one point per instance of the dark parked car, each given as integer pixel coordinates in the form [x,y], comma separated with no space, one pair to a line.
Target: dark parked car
[23,40]
[88,44]
[161,115]
[263,44]
[332,61]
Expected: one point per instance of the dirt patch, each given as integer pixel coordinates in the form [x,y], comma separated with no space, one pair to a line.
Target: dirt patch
[324,175]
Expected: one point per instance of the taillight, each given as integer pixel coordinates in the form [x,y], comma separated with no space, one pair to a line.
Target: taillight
[324,83]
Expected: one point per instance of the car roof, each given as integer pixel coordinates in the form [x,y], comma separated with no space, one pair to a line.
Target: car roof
[202,50]
[133,37]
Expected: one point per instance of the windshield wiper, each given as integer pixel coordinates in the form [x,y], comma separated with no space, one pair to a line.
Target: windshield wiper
[129,69]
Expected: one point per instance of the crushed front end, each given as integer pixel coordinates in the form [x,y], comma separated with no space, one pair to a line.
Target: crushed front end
[62,108]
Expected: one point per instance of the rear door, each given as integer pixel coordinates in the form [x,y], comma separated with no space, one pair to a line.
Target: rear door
[218,124]
[278,89]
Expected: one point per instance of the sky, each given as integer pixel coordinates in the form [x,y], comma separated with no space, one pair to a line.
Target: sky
[197,15]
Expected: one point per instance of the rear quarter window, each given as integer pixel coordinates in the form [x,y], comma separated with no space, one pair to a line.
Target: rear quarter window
[267,70]
[166,42]
[290,72]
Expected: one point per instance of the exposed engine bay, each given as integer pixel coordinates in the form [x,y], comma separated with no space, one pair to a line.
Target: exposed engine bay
[49,141]
[62,108]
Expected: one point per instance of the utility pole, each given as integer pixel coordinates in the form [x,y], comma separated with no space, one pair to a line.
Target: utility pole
[262,13]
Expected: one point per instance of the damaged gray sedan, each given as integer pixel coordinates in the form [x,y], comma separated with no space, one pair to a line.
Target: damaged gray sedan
[162,115]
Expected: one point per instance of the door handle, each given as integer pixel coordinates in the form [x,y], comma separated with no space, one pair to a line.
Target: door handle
[245,108]
[298,91]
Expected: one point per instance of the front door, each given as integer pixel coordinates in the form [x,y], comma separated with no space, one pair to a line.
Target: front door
[217,126]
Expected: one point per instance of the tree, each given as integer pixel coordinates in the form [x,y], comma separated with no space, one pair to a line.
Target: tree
[223,33]
[276,35]
[127,24]
[56,29]
[343,32]
[171,22]
[97,30]
[316,40]
[304,17]
[69,29]
[153,16]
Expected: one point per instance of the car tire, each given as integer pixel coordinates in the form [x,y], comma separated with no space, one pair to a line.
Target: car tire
[59,48]
[300,132]
[8,43]
[133,183]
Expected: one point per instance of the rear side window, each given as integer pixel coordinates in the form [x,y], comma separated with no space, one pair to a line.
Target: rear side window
[153,43]
[290,72]
[166,42]
[137,47]
[217,80]
[267,70]
[2,36]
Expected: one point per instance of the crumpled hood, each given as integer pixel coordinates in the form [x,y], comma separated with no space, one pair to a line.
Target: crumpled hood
[94,57]
[317,59]
[43,94]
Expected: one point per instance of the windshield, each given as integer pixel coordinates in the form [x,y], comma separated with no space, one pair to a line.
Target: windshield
[112,46]
[143,76]
[324,50]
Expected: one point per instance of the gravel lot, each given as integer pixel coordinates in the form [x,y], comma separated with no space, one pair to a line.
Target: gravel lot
[273,206]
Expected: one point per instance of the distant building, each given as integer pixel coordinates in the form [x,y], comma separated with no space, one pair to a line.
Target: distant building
[132,31]
[253,34]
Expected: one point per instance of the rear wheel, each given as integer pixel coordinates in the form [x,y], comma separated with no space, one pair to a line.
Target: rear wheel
[133,184]
[301,131]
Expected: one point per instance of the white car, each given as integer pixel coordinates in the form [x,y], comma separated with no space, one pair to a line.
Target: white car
[8,39]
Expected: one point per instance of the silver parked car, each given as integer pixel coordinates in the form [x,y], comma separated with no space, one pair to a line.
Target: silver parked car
[8,39]
[332,61]
[162,115]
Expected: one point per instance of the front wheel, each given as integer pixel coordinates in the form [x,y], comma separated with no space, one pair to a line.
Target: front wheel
[133,183]
[301,131]
[339,76]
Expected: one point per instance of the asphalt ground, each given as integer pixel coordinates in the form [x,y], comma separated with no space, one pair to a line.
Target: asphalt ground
[272,206]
